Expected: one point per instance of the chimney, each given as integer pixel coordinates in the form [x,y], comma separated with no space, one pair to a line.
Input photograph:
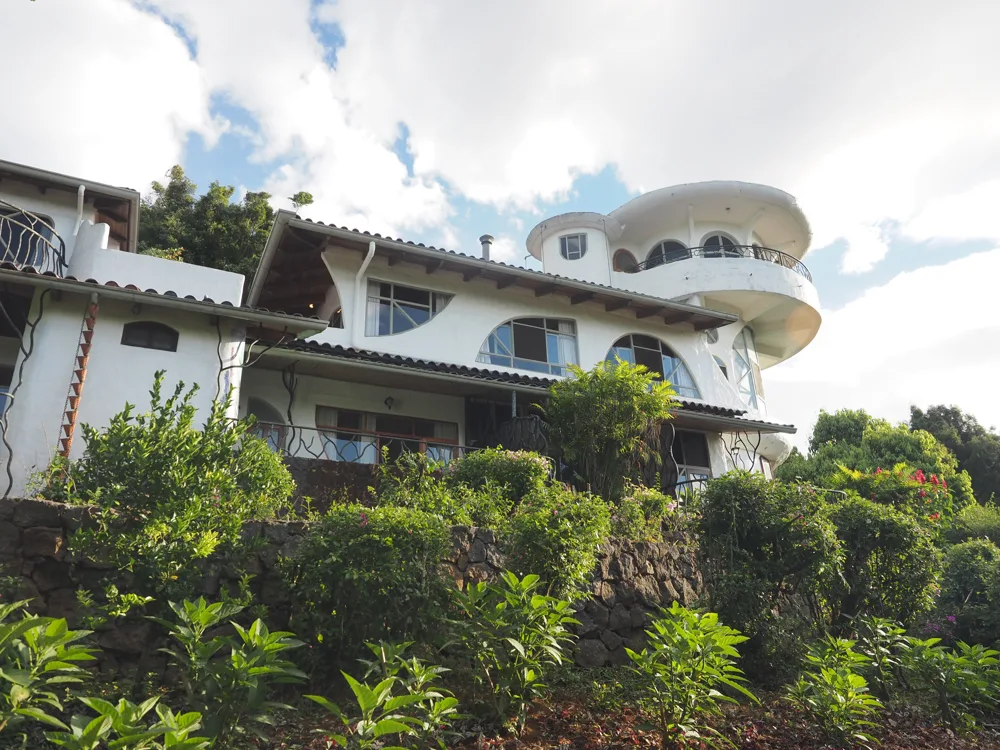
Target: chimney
[486,240]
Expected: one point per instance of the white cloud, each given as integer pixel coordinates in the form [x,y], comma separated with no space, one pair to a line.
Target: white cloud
[100,90]
[926,337]
[506,249]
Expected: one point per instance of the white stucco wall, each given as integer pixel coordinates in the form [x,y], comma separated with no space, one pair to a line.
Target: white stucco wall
[116,374]
[58,205]
[594,266]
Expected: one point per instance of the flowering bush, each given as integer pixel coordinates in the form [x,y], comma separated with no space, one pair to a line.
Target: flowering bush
[924,496]
[641,513]
[519,472]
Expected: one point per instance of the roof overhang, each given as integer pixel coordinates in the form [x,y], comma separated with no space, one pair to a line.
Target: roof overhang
[266,321]
[292,257]
[115,206]
[727,424]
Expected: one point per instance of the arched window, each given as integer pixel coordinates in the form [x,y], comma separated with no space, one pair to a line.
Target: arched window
[538,344]
[624,261]
[667,252]
[394,308]
[25,238]
[270,425]
[659,358]
[747,370]
[147,334]
[717,245]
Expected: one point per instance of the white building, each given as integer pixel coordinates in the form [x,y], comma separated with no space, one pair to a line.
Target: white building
[387,343]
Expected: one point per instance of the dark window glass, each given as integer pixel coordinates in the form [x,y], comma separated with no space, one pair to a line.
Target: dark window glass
[409,294]
[149,335]
[349,420]
[529,342]
[691,449]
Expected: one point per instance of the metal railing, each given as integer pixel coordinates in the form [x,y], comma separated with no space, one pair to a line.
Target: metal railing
[754,252]
[29,241]
[336,444]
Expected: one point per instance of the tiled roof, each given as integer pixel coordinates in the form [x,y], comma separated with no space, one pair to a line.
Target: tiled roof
[496,376]
[169,293]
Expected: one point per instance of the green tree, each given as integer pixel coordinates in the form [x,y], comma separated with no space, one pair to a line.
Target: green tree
[606,421]
[207,230]
[976,448]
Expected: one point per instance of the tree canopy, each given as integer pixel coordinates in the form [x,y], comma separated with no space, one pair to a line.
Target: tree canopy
[976,448]
[210,229]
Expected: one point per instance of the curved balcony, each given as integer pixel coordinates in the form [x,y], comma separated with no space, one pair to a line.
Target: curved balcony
[754,252]
[28,241]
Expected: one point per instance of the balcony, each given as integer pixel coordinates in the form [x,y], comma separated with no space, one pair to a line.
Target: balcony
[29,241]
[753,252]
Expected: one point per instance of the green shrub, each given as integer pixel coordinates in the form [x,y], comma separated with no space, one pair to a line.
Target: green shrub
[890,563]
[977,522]
[690,660]
[122,725]
[513,635]
[519,473]
[606,422]
[882,643]
[170,495]
[489,506]
[964,683]
[555,533]
[763,542]
[971,575]
[924,497]
[362,574]
[834,695]
[641,514]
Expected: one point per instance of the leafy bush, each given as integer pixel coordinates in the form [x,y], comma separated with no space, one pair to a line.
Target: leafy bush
[641,513]
[882,643]
[169,495]
[555,534]
[969,589]
[519,473]
[513,635]
[834,695]
[228,690]
[977,522]
[763,542]
[122,726]
[691,657]
[889,565]
[606,421]
[365,573]
[406,702]
[925,498]
[38,658]
[965,684]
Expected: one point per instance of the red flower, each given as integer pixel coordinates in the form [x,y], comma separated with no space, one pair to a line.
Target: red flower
[934,516]
[923,493]
[934,479]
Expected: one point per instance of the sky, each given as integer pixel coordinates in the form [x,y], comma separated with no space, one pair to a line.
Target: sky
[439,120]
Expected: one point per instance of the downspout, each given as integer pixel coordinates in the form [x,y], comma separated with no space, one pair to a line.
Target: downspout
[359,308]
[79,208]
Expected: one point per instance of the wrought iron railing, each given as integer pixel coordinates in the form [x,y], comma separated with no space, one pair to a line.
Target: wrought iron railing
[29,241]
[333,444]
[754,252]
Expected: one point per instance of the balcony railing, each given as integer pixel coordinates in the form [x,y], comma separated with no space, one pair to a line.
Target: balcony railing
[335,444]
[29,241]
[754,252]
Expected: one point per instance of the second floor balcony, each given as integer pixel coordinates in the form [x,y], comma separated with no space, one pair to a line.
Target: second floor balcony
[674,252]
[28,241]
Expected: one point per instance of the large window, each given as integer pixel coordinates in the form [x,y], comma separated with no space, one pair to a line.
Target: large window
[148,334]
[667,252]
[24,238]
[717,245]
[694,466]
[747,370]
[573,246]
[394,308]
[360,437]
[657,357]
[537,344]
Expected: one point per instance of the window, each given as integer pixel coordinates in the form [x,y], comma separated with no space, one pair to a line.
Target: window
[537,344]
[667,252]
[624,261]
[722,366]
[150,335]
[25,238]
[270,427]
[360,437]
[637,349]
[718,244]
[394,308]
[747,370]
[573,246]
[694,466]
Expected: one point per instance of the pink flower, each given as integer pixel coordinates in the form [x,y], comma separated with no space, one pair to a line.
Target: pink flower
[364,519]
[950,618]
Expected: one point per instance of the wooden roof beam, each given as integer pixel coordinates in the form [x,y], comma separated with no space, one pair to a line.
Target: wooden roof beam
[648,312]
[577,299]
[543,291]
[506,282]
[616,304]
[434,265]
[471,274]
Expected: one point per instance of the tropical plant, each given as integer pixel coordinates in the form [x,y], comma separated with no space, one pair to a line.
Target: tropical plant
[976,522]
[964,683]
[364,572]
[169,495]
[228,689]
[970,591]
[513,635]
[39,657]
[691,658]
[122,726]
[882,643]
[835,695]
[606,422]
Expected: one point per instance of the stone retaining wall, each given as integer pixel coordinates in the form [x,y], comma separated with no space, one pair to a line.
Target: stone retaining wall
[630,580]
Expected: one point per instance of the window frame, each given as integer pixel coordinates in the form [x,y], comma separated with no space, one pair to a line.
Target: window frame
[564,249]
[724,250]
[39,240]
[150,328]
[746,370]
[658,253]
[694,474]
[666,351]
[550,327]
[437,302]
[622,252]
[368,437]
